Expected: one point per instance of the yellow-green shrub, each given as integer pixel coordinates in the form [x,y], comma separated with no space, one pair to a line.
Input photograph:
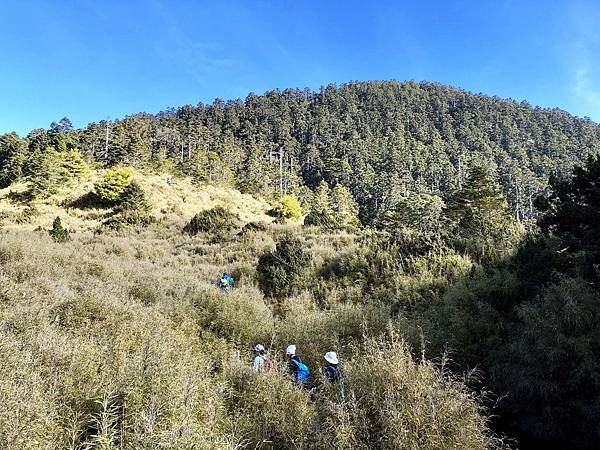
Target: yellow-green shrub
[288,208]
[113,184]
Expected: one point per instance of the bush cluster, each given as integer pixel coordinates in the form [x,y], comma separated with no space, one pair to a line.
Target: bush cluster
[323,219]
[161,359]
[214,220]
[112,185]
[288,208]
[132,208]
[281,270]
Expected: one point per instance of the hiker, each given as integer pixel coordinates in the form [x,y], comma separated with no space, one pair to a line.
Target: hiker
[296,367]
[225,283]
[332,370]
[261,362]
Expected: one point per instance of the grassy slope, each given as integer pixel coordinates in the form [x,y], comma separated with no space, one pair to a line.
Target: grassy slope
[124,339]
[175,203]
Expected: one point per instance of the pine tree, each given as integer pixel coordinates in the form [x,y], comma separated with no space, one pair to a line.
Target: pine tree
[344,206]
[321,198]
[572,213]
[483,225]
[58,233]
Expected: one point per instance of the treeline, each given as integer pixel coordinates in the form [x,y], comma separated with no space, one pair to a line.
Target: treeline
[382,140]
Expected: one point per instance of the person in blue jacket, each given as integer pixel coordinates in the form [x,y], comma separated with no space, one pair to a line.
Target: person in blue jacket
[225,282]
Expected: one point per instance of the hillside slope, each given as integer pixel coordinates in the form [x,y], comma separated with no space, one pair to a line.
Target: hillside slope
[123,341]
[380,139]
[174,203]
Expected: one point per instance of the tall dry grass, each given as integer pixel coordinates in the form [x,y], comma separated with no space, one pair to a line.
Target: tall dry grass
[122,340]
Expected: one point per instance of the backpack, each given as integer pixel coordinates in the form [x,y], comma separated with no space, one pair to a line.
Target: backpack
[268,364]
[302,371]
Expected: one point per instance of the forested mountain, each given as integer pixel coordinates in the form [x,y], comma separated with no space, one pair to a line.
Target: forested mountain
[113,332]
[380,139]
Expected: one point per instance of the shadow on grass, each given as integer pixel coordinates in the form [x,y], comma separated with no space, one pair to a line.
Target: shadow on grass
[87,201]
[23,197]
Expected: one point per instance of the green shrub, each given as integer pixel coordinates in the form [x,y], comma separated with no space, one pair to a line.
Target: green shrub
[271,412]
[323,219]
[243,319]
[132,209]
[58,233]
[280,271]
[254,227]
[212,220]
[288,208]
[421,212]
[113,184]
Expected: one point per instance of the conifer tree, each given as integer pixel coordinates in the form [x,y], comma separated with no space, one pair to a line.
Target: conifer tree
[484,227]
[572,213]
[321,201]
[58,233]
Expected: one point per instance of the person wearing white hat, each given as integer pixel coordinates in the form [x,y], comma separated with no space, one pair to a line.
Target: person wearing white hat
[262,362]
[332,370]
[296,367]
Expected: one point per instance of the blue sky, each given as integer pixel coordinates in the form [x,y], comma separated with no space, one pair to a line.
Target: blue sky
[90,60]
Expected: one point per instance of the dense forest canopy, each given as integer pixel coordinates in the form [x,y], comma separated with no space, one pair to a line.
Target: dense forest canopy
[382,140]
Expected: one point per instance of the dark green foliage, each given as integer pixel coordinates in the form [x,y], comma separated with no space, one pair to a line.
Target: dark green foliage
[49,170]
[280,271]
[482,223]
[378,140]
[532,322]
[213,220]
[13,152]
[554,365]
[324,219]
[406,271]
[133,198]
[254,227]
[58,233]
[133,208]
[572,214]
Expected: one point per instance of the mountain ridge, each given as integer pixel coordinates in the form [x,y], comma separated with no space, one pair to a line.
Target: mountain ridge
[379,139]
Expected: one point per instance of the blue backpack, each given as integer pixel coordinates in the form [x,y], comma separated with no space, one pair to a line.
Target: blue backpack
[302,371]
